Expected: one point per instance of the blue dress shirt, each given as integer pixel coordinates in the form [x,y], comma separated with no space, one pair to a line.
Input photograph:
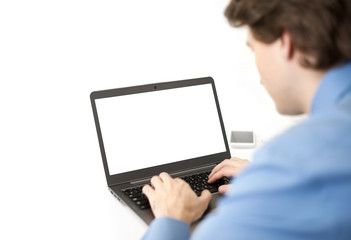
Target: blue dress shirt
[298,185]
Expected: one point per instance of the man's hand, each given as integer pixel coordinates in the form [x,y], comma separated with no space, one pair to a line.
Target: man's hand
[174,198]
[227,168]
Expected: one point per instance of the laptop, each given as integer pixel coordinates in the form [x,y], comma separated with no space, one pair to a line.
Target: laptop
[173,127]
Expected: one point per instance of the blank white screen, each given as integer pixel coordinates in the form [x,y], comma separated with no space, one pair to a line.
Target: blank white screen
[155,128]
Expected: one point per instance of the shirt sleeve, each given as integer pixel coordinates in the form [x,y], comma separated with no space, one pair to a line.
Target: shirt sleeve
[167,228]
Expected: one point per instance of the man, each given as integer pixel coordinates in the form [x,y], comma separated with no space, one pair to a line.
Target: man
[298,185]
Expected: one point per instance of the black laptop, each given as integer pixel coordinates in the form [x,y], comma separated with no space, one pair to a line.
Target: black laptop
[175,127]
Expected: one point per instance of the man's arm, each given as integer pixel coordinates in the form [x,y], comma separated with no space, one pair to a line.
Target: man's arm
[167,228]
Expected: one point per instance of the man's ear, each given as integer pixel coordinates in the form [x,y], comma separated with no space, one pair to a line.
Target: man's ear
[287,46]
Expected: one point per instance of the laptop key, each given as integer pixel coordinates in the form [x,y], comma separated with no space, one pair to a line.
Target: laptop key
[139,198]
[127,192]
[143,207]
[198,193]
[141,202]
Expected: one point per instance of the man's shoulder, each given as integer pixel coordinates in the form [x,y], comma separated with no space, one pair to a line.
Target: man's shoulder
[322,141]
[320,128]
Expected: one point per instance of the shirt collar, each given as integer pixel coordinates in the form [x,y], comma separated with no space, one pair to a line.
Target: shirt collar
[335,84]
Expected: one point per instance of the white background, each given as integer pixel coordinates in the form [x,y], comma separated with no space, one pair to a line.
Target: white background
[54,53]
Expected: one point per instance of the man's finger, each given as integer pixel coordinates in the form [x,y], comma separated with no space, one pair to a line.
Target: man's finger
[156,181]
[218,167]
[165,178]
[224,172]
[233,162]
[223,189]
[205,197]
[149,192]
[179,180]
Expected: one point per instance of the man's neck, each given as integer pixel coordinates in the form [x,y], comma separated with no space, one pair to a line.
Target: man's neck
[308,82]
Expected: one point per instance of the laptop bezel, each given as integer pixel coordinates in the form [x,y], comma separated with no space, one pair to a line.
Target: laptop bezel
[170,167]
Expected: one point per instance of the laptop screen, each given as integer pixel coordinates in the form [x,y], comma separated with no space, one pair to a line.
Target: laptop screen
[159,127]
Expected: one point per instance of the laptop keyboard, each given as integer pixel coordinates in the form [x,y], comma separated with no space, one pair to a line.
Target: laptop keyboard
[198,182]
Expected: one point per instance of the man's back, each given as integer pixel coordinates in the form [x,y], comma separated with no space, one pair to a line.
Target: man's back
[299,184]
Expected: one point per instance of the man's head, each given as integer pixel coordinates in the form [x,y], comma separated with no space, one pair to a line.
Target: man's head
[295,42]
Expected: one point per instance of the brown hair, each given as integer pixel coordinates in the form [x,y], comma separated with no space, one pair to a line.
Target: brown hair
[319,29]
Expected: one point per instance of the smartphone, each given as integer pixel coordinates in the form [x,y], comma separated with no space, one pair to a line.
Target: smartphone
[242,139]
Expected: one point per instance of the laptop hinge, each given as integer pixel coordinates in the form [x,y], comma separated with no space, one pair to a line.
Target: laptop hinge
[175,174]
